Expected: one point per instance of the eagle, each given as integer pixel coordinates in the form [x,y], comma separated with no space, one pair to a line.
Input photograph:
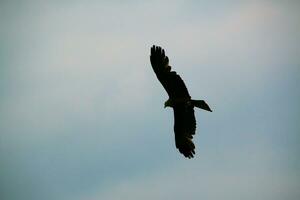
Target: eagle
[179,99]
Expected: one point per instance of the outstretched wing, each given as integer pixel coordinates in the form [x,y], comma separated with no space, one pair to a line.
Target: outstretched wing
[185,123]
[170,80]
[184,128]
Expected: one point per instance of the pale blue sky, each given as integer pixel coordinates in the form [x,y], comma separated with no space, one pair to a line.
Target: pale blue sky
[81,111]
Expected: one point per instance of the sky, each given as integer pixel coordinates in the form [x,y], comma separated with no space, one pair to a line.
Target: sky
[81,111]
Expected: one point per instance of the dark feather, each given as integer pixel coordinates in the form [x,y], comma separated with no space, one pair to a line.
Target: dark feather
[184,128]
[170,80]
[184,118]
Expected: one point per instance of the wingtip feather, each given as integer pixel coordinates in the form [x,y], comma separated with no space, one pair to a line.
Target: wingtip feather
[186,147]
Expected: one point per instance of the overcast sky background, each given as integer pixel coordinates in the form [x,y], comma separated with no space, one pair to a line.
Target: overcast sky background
[81,111]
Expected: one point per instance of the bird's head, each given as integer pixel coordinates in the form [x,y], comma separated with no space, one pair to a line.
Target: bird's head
[168,103]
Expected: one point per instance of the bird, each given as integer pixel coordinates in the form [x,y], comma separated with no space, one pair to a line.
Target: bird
[179,99]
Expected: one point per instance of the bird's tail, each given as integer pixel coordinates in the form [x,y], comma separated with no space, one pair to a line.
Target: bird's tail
[201,104]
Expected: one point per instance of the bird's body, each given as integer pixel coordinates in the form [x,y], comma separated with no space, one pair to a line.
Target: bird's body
[179,100]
